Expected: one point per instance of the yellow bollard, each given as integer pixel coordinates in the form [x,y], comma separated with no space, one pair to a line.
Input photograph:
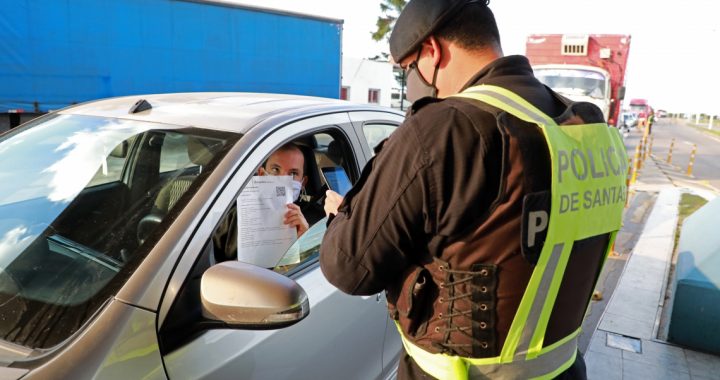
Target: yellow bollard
[628,178]
[636,165]
[672,144]
[641,152]
[629,171]
[692,160]
[648,150]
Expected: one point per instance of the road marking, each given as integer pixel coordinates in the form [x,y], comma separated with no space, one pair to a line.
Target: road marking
[708,135]
[708,185]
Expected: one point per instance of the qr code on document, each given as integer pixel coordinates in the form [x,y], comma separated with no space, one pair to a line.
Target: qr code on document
[279,191]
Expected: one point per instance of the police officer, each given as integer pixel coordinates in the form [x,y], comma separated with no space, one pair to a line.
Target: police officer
[458,217]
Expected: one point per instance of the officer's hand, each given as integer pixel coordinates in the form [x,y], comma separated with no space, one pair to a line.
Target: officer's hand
[332,202]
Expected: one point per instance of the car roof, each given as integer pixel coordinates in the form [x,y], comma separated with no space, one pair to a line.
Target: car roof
[236,112]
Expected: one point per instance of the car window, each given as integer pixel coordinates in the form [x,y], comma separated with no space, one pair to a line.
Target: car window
[66,244]
[329,164]
[375,133]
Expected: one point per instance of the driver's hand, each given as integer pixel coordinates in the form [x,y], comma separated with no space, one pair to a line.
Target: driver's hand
[295,218]
[332,202]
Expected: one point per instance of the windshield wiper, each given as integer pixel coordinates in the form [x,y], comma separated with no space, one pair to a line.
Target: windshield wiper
[86,252]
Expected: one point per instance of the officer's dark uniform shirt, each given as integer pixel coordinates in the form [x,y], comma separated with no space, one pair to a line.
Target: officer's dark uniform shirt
[435,176]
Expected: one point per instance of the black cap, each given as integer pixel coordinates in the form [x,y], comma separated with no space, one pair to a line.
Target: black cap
[418,20]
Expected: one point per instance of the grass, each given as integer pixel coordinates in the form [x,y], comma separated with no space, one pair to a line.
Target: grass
[704,128]
[689,203]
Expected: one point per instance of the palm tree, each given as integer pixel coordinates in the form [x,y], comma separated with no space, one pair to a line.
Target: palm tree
[390,11]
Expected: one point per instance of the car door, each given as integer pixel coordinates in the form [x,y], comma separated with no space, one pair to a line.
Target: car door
[372,128]
[341,338]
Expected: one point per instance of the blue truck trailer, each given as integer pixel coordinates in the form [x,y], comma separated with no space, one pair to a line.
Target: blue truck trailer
[57,53]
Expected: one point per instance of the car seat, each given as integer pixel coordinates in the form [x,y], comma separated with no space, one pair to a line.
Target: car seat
[200,153]
[315,189]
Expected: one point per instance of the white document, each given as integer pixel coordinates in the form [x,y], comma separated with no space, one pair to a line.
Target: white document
[263,239]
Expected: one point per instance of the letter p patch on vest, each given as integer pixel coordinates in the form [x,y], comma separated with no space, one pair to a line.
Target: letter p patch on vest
[536,213]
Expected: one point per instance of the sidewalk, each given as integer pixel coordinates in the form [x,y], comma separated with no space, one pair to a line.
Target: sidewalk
[625,344]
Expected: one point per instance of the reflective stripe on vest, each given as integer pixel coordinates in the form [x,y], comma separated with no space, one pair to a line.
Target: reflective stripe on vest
[588,163]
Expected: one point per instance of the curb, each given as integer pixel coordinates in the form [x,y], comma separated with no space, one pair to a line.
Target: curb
[658,219]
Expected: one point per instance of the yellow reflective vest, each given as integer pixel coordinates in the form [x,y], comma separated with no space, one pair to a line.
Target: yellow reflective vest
[573,150]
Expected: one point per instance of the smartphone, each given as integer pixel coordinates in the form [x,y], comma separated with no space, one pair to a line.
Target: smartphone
[337,179]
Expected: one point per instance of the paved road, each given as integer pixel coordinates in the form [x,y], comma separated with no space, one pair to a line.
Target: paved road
[707,162]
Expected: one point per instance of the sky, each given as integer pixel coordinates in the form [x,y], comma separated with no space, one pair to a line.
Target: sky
[674,54]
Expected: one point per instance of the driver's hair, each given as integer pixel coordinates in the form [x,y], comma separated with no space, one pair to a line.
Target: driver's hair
[288,147]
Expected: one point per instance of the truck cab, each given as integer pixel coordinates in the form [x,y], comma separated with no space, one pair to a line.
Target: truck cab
[587,67]
[579,83]
[641,108]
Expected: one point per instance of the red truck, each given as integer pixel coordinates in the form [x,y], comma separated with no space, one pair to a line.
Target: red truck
[644,112]
[589,67]
[641,108]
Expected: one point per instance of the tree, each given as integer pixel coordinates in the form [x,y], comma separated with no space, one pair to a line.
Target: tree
[390,10]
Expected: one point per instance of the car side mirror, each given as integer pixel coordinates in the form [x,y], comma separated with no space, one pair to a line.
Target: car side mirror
[621,93]
[242,295]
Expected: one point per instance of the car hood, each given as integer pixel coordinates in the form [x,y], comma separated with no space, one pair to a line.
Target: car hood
[10,353]
[7,373]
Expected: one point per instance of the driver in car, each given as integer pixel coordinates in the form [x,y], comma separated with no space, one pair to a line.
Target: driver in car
[289,160]
[286,160]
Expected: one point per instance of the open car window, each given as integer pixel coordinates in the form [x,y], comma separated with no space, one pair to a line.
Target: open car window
[329,163]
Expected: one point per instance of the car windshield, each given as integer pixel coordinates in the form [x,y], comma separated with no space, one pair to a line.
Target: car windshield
[573,82]
[639,109]
[82,200]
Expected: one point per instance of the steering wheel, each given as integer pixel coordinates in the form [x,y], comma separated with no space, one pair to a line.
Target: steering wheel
[146,226]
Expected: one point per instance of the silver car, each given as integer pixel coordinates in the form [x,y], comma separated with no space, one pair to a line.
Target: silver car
[114,262]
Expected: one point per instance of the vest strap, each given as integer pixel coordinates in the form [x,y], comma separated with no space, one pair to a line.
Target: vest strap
[447,367]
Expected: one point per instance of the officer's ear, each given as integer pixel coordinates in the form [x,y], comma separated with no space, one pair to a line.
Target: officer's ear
[433,47]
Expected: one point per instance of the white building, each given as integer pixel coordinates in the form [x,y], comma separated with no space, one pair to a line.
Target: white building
[366,81]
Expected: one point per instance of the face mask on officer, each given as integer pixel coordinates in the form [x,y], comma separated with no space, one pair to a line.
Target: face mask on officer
[417,86]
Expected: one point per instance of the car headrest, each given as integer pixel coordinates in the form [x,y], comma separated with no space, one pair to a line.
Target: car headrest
[335,152]
[314,183]
[201,151]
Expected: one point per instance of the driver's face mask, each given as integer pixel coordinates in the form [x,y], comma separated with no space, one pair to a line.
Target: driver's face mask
[297,188]
[417,86]
[296,185]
